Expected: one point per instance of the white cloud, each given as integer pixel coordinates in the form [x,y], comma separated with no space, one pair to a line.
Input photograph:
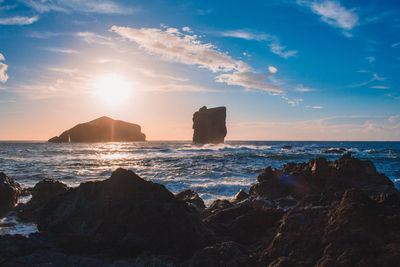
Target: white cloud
[18,20]
[300,88]
[333,13]
[272,41]
[293,102]
[375,77]
[87,6]
[153,74]
[7,7]
[276,48]
[396,44]
[380,87]
[62,50]
[172,45]
[3,69]
[108,60]
[64,70]
[248,80]
[370,59]
[394,119]
[44,35]
[94,38]
[174,87]
[187,29]
[272,69]
[314,107]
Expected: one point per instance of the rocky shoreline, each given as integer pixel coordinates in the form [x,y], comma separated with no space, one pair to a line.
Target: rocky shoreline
[317,213]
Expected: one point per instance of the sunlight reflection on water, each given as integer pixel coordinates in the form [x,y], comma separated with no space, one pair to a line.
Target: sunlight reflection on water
[212,170]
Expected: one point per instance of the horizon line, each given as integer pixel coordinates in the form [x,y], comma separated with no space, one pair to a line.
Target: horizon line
[229,140]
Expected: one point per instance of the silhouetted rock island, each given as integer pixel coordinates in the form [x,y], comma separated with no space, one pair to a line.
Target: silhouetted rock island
[103,129]
[209,125]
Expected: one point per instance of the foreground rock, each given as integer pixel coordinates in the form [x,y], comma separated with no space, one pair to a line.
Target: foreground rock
[125,214]
[9,190]
[209,125]
[320,180]
[317,213]
[103,129]
[192,198]
[42,193]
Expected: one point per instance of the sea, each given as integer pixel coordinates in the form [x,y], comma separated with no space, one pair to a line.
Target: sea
[214,171]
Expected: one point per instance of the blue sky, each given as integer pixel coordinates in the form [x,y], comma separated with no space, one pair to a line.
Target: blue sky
[286,70]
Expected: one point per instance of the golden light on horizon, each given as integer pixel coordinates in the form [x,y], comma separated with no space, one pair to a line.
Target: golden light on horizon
[112,89]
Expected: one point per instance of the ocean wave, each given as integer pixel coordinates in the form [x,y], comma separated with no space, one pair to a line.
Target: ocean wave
[214,170]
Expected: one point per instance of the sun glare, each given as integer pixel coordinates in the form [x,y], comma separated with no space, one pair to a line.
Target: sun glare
[112,89]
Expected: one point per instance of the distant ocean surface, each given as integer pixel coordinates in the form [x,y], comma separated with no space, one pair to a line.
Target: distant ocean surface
[214,171]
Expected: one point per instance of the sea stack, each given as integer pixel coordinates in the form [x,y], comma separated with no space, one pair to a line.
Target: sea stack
[103,129]
[209,125]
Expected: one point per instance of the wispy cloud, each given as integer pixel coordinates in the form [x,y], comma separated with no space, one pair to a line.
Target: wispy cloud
[395,44]
[153,74]
[370,59]
[44,35]
[248,80]
[380,87]
[272,41]
[174,87]
[94,38]
[204,11]
[18,20]
[393,96]
[86,6]
[314,107]
[175,46]
[303,89]
[3,69]
[293,102]
[333,13]
[64,70]
[62,50]
[375,77]
[7,7]
[378,17]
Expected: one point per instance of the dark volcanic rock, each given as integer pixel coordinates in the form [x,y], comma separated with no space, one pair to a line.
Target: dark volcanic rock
[209,125]
[103,129]
[319,179]
[125,214]
[192,198]
[317,213]
[41,250]
[221,254]
[241,195]
[42,193]
[9,190]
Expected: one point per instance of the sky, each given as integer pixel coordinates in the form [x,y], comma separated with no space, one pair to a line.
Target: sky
[285,69]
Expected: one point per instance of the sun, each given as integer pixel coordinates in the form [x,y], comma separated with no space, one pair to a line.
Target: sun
[112,89]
